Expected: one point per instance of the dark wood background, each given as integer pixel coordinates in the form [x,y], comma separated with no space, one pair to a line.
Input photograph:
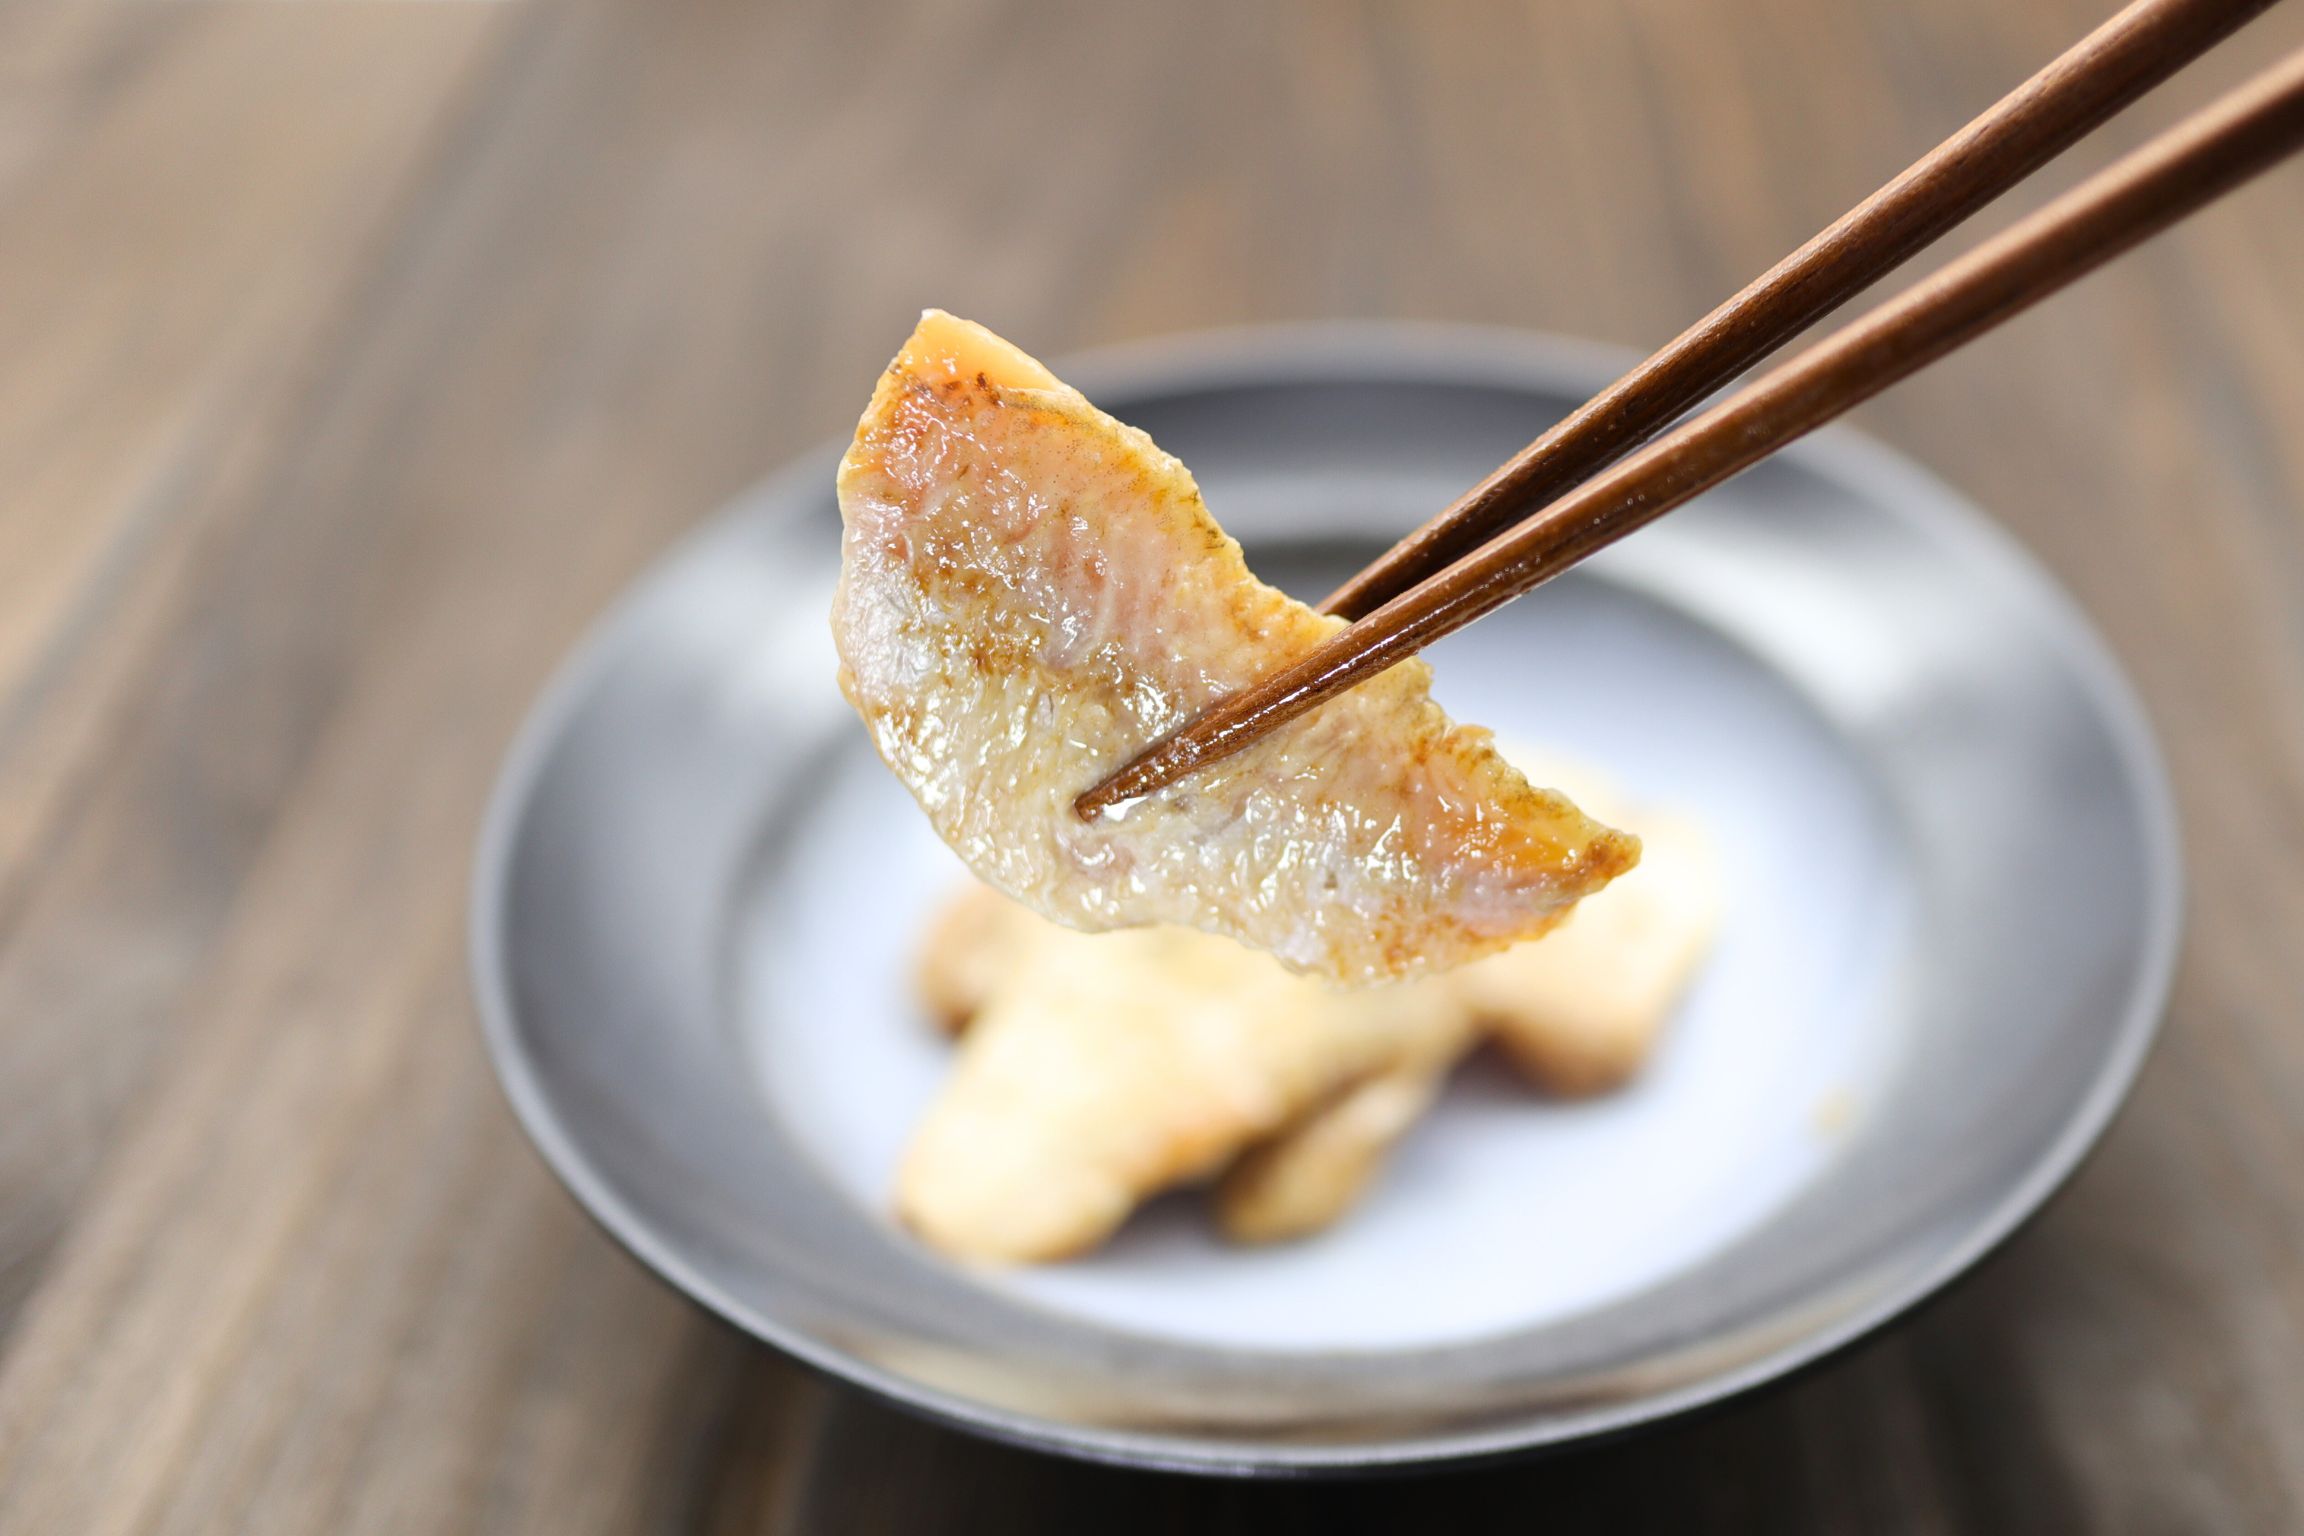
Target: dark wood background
[352,355]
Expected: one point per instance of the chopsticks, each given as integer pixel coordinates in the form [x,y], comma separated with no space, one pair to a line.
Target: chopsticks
[2245,133]
[2103,72]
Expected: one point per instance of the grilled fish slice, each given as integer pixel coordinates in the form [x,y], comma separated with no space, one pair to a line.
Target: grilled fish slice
[1099,1069]
[1302,1180]
[1032,591]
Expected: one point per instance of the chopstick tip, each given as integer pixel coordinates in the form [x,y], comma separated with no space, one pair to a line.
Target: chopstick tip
[1141,775]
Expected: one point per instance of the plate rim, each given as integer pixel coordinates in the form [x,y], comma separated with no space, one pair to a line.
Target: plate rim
[1404,352]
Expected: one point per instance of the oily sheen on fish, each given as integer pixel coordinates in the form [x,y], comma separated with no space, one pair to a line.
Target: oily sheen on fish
[1032,591]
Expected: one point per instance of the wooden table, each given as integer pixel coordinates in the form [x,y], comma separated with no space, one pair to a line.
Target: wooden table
[354,354]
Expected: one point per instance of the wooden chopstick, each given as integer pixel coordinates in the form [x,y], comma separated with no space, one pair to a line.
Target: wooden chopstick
[2207,155]
[2112,66]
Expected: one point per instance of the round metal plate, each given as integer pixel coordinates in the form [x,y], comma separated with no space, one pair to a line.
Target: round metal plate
[1953,905]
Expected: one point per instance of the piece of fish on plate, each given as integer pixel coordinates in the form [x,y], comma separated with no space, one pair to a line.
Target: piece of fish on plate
[1097,1069]
[1031,592]
[1303,1179]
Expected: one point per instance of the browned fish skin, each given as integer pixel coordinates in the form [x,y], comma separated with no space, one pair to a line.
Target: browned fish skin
[1032,591]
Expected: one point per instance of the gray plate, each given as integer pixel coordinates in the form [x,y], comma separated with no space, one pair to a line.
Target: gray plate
[1953,905]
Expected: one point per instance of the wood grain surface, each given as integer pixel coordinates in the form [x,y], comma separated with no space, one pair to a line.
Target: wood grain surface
[353,354]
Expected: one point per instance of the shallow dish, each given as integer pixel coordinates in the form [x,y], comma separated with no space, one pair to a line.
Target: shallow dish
[1952,909]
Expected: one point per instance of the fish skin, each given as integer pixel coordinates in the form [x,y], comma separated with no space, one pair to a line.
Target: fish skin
[1031,592]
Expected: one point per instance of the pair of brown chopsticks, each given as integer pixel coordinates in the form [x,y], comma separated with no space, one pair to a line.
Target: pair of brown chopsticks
[1581,486]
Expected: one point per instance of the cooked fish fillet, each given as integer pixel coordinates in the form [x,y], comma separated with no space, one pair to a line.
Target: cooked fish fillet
[1031,591]
[1301,1180]
[1102,1068]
